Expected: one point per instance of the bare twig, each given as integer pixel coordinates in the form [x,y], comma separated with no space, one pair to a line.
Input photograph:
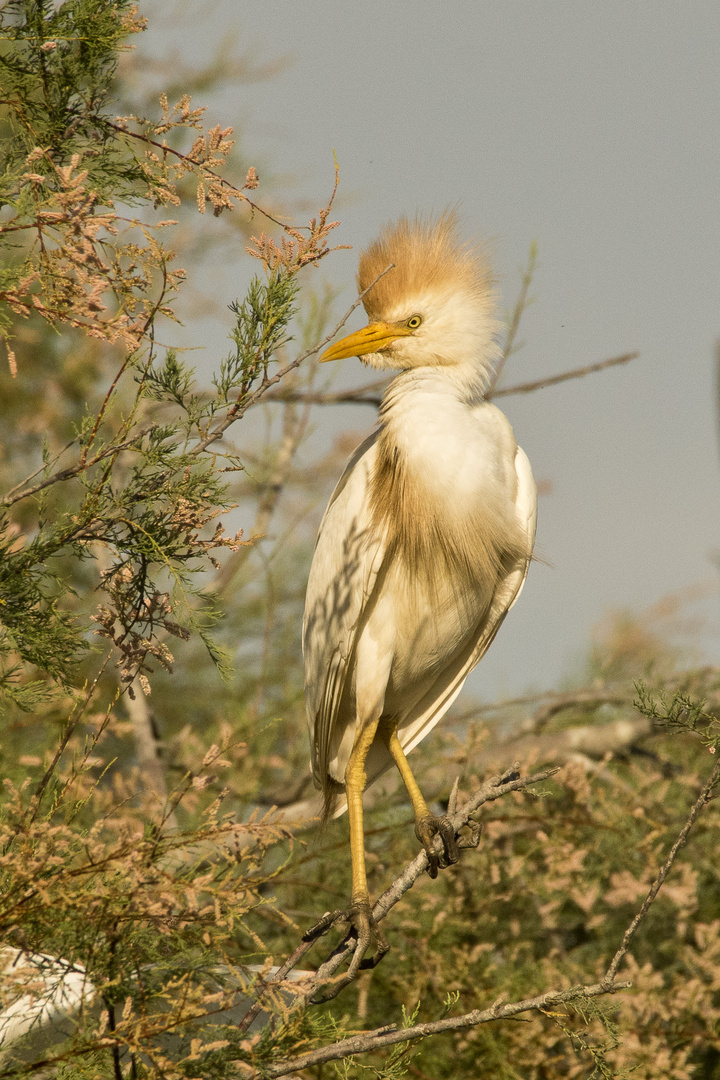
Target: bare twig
[520,305]
[41,468]
[273,982]
[544,713]
[702,800]
[360,395]
[548,703]
[70,727]
[552,380]
[147,748]
[16,495]
[593,741]
[390,1035]
[372,393]
[294,427]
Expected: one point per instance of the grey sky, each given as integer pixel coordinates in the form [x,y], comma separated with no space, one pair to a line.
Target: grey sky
[593,129]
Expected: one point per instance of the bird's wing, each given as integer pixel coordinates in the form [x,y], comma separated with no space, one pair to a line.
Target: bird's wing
[348,556]
[426,713]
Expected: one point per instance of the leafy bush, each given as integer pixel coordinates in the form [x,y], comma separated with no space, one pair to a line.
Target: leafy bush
[152,902]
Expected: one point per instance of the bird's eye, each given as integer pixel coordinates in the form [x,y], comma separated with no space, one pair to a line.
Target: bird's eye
[413,322]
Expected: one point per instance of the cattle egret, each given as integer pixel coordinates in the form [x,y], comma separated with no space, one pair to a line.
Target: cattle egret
[426,541]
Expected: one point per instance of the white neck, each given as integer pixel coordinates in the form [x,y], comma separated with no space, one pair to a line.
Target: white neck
[464,383]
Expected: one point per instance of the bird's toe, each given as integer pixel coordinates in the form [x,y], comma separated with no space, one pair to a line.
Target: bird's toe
[367,935]
[426,829]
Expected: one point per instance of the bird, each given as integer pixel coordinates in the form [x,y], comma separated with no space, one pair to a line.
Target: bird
[426,541]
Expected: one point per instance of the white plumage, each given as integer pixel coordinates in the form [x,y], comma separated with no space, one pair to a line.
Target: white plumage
[427,538]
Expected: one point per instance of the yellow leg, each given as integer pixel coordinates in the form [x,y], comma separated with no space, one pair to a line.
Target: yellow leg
[419,804]
[362,926]
[355,780]
[427,826]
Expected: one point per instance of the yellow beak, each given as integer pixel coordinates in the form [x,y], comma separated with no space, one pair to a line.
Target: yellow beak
[370,339]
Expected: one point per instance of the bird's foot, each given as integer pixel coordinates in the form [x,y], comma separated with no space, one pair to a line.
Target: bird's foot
[364,930]
[426,829]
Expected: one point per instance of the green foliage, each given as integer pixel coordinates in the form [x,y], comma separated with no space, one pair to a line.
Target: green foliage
[140,871]
[680,713]
[57,67]
[131,496]
[544,902]
[63,170]
[259,332]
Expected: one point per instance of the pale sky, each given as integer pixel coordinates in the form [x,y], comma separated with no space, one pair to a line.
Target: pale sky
[591,129]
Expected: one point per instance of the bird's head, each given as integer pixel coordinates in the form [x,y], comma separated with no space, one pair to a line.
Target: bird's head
[435,307]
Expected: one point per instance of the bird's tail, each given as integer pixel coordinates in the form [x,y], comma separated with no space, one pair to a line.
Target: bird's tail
[331,792]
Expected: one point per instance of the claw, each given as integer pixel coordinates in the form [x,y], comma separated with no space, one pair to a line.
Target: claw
[426,829]
[365,930]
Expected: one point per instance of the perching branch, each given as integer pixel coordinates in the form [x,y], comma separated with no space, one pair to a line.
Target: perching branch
[391,1035]
[493,788]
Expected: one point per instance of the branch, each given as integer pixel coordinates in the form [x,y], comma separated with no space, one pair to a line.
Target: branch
[390,1035]
[242,406]
[579,698]
[493,788]
[591,741]
[360,395]
[293,434]
[193,163]
[702,800]
[15,495]
[552,380]
[147,747]
[372,393]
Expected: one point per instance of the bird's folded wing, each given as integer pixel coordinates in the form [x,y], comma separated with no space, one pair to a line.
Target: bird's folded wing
[426,713]
[348,557]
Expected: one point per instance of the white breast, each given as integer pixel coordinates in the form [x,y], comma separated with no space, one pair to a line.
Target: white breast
[462,454]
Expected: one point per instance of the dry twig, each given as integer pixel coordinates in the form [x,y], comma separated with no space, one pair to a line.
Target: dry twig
[520,305]
[391,1035]
[372,393]
[553,380]
[493,788]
